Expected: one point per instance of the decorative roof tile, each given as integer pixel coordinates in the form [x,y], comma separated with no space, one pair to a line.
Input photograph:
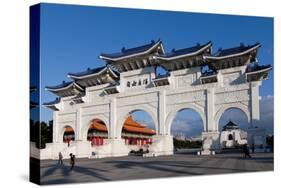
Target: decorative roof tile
[235,50]
[89,71]
[185,51]
[130,51]
[64,84]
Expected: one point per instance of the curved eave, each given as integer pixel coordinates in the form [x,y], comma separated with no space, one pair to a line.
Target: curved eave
[259,71]
[64,88]
[159,43]
[53,107]
[75,77]
[232,55]
[184,55]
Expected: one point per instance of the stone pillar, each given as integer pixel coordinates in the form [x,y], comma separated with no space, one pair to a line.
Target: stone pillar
[162,113]
[78,126]
[255,104]
[112,119]
[210,136]
[55,127]
[256,134]
[210,105]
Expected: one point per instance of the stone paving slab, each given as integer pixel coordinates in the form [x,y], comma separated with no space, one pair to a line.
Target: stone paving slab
[132,167]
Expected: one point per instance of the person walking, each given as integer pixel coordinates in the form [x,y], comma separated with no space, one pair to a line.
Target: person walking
[72,161]
[60,159]
[246,151]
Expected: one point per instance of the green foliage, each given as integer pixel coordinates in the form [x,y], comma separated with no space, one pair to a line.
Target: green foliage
[40,133]
[187,144]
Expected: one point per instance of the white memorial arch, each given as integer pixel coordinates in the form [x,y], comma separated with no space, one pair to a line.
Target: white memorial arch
[129,82]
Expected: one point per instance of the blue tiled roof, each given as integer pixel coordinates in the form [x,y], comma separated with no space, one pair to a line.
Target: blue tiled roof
[62,85]
[91,71]
[235,50]
[87,72]
[183,51]
[257,68]
[130,51]
[56,101]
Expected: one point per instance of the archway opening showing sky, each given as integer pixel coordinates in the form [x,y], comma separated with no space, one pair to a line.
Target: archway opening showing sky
[187,123]
[235,115]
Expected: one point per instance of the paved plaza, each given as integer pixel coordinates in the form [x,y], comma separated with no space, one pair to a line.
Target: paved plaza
[134,167]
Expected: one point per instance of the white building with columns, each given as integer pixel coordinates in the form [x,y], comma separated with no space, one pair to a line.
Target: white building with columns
[129,81]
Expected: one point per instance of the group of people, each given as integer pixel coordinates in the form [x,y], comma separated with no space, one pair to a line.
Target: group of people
[72,160]
[245,151]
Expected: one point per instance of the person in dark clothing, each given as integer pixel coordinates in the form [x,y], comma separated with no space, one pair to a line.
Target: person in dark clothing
[60,158]
[246,151]
[253,148]
[72,160]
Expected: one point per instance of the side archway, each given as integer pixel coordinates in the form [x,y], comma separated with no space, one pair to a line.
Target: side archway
[173,112]
[242,107]
[66,134]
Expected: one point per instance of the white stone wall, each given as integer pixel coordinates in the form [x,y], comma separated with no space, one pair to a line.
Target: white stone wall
[161,103]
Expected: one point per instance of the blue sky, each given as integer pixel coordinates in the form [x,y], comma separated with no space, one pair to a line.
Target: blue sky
[72,37]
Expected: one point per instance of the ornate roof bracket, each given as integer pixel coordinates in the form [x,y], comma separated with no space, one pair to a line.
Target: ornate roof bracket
[207,78]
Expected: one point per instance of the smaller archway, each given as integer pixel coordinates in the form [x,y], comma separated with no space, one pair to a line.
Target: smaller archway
[68,134]
[235,115]
[97,132]
[138,130]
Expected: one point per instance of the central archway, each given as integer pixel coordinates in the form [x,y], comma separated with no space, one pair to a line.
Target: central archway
[186,129]
[138,130]
[173,112]
[125,113]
